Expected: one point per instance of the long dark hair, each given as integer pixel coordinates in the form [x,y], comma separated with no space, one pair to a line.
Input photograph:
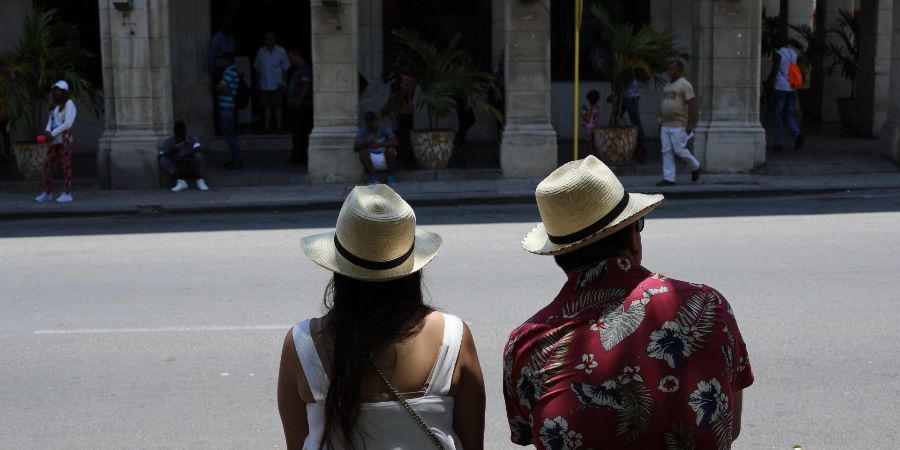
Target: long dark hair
[364,318]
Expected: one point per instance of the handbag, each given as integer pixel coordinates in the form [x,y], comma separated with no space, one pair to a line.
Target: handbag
[433,437]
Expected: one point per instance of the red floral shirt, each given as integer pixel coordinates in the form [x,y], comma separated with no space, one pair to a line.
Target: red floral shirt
[625,358]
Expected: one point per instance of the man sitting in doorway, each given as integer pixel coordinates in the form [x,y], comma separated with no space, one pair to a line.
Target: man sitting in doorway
[180,157]
[377,148]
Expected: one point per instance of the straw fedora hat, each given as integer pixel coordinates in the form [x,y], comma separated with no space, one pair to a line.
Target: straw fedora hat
[375,238]
[581,203]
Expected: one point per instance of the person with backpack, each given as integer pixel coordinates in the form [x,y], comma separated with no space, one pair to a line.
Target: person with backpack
[228,89]
[785,78]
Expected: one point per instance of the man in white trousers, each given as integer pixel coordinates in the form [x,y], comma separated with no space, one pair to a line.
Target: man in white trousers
[676,115]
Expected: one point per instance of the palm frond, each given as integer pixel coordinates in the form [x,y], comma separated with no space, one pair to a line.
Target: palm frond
[445,77]
[698,313]
[47,51]
[680,438]
[592,299]
[550,352]
[634,418]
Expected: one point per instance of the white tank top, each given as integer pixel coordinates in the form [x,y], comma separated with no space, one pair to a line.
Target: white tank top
[386,425]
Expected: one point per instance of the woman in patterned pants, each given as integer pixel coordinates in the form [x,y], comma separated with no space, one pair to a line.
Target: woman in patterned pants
[59,133]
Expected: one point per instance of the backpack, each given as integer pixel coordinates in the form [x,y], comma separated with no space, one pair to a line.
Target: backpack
[795,75]
[242,96]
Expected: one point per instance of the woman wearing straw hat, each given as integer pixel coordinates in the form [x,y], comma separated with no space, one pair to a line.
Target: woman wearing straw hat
[381,369]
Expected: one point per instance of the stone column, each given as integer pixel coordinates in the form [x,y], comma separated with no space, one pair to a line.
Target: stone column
[137,88]
[335,52]
[873,75]
[528,147]
[890,132]
[726,79]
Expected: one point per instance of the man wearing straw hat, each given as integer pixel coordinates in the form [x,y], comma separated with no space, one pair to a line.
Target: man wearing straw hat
[623,357]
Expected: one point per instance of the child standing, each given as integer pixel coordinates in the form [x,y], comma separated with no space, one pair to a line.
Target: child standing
[590,116]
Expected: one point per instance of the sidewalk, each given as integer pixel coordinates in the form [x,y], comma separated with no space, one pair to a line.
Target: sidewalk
[418,193]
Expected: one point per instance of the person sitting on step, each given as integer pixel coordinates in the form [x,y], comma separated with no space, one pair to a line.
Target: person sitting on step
[376,146]
[180,156]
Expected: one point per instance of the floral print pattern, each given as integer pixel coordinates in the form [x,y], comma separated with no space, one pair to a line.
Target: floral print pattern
[625,358]
[556,435]
[669,384]
[588,364]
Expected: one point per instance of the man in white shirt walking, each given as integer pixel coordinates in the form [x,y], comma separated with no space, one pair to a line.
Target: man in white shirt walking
[676,115]
[271,66]
[784,96]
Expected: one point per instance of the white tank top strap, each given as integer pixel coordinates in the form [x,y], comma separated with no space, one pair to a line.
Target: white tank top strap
[442,377]
[309,360]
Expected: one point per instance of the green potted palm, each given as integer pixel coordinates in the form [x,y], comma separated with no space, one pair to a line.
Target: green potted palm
[47,51]
[442,78]
[845,56]
[628,54]
[808,52]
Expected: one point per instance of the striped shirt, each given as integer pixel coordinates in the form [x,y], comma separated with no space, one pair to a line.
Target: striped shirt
[231,79]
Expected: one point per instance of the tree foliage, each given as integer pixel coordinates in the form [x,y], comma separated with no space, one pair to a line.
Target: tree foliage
[444,78]
[630,54]
[845,55]
[47,51]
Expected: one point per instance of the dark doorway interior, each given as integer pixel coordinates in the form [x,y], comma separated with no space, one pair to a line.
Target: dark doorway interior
[288,19]
[251,19]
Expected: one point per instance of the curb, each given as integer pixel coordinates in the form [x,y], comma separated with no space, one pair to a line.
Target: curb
[419,201]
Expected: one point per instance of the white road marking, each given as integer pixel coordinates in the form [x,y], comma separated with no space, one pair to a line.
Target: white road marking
[163,329]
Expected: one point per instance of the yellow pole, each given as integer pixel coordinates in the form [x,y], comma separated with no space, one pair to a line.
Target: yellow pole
[578,6]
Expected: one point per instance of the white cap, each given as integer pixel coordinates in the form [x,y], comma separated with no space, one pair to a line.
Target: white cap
[61,85]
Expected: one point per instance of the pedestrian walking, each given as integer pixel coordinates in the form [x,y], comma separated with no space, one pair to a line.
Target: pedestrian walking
[381,369]
[227,90]
[300,107]
[784,94]
[59,133]
[271,64]
[623,357]
[677,115]
[590,118]
[180,156]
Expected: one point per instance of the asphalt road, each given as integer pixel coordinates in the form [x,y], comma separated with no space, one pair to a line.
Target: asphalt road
[165,332]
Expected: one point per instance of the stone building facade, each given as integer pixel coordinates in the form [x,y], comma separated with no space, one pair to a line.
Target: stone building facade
[153,65]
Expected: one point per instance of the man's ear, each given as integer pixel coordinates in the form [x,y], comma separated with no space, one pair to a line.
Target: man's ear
[635,246]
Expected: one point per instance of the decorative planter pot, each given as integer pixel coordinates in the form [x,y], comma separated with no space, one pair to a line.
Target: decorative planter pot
[432,148]
[615,144]
[846,111]
[30,159]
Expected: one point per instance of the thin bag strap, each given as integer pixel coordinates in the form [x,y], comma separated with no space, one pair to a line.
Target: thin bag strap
[310,361]
[442,376]
[433,437]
